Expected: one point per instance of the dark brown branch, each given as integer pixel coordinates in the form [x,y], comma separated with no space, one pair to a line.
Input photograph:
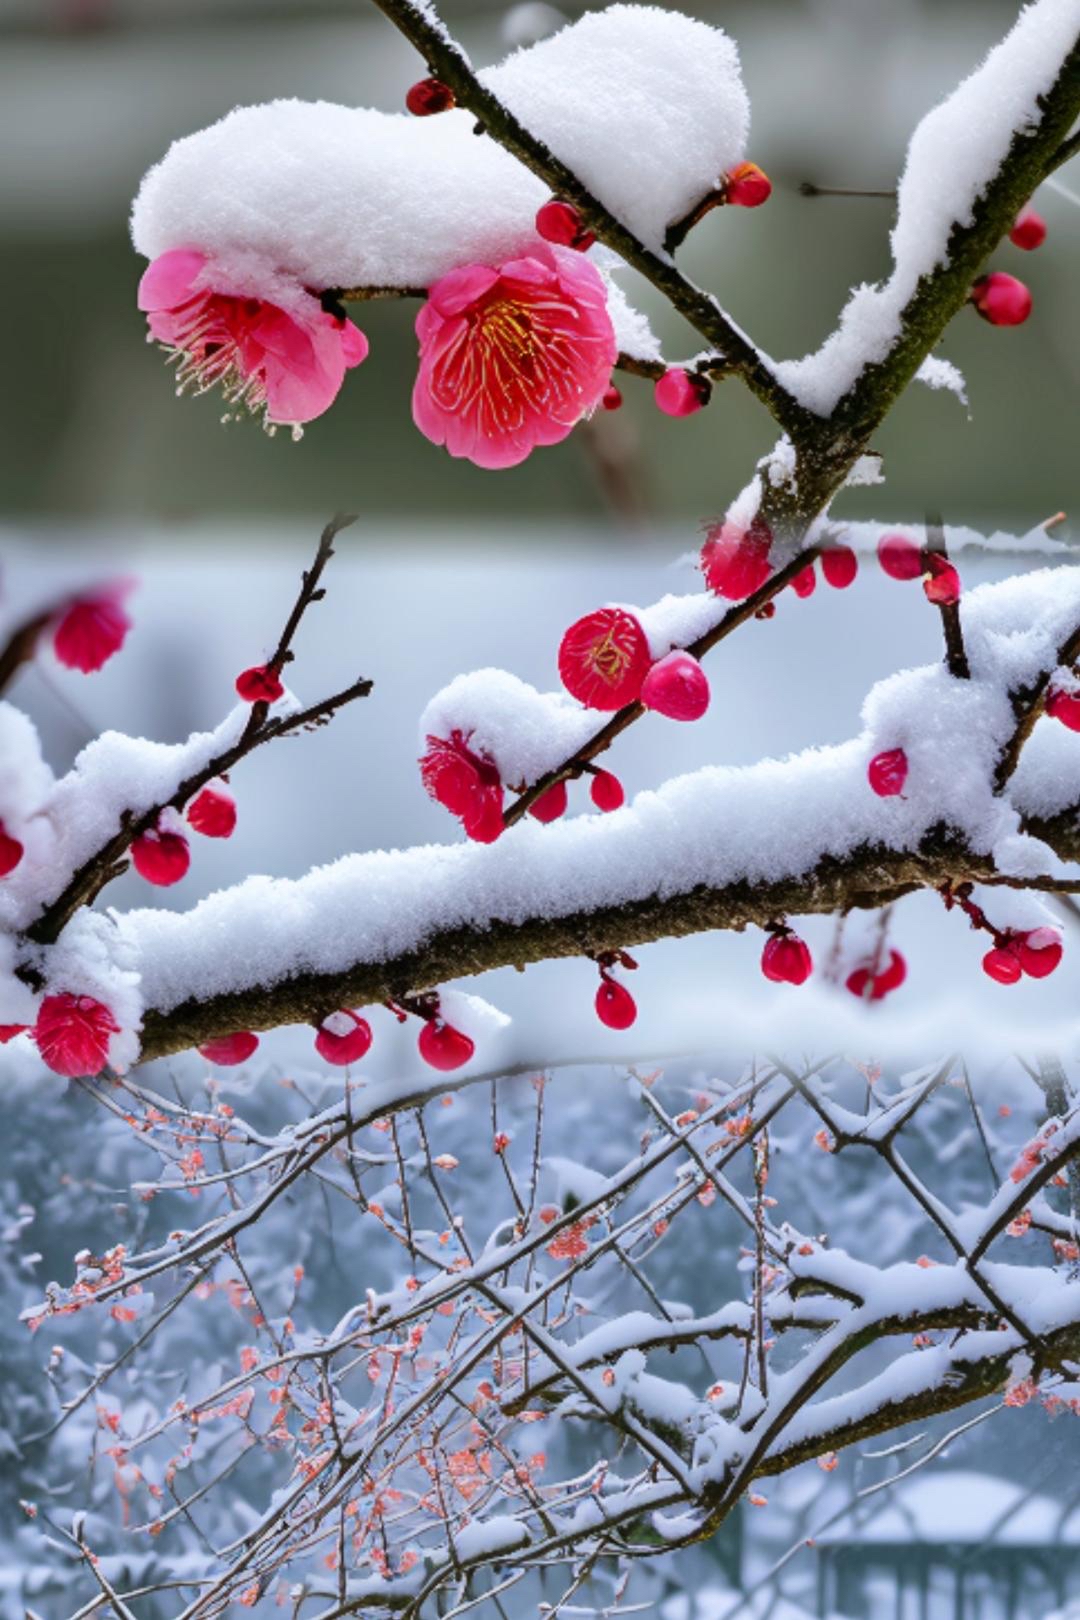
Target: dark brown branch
[21,645]
[955,655]
[807,188]
[449,64]
[109,861]
[728,622]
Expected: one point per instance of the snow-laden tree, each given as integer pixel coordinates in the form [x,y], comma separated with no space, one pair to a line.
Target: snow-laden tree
[514,1394]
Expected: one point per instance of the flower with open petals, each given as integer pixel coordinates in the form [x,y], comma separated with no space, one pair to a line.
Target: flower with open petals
[465,783]
[513,357]
[285,364]
[73,1034]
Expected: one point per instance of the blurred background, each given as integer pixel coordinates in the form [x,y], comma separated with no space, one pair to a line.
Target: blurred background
[93,91]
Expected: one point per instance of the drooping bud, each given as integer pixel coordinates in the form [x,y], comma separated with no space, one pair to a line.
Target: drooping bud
[612,400]
[343,1038]
[72,1034]
[747,186]
[259,684]
[839,564]
[606,791]
[786,959]
[429,96]
[1038,951]
[1001,299]
[615,1006]
[444,1047]
[161,857]
[1029,231]
[560,222]
[229,1050]
[212,812]
[680,392]
[603,659]
[887,773]
[550,805]
[804,583]
[1001,965]
[676,686]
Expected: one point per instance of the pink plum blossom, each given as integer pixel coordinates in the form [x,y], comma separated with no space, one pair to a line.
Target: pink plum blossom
[513,357]
[286,362]
[93,627]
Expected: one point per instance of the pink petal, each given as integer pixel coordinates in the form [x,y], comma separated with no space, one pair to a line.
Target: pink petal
[170,280]
[354,345]
[462,287]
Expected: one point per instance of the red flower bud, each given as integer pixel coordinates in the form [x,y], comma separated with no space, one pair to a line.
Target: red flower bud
[161,857]
[680,392]
[804,583]
[11,852]
[942,584]
[229,1050]
[606,791]
[615,1006]
[887,773]
[735,561]
[429,96]
[899,557]
[862,984]
[747,186]
[213,812]
[343,1038]
[1001,299]
[786,959]
[259,685]
[840,565]
[1064,706]
[550,805]
[561,223]
[72,1034]
[676,686]
[1029,231]
[612,400]
[444,1047]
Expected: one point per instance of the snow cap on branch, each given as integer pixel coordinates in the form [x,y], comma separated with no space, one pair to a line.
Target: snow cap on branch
[319,195]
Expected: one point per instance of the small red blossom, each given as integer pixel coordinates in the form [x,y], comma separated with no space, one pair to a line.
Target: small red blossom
[229,1050]
[286,364]
[571,1243]
[161,857]
[735,560]
[513,356]
[212,812]
[429,96]
[343,1038]
[899,557]
[942,582]
[747,186]
[887,773]
[804,583]
[11,852]
[466,783]
[676,686]
[606,791]
[1064,706]
[840,565]
[615,1006]
[1001,299]
[93,627]
[612,399]
[260,684]
[786,959]
[443,1046]
[604,659]
[680,392]
[1029,230]
[73,1033]
[550,805]
[560,222]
